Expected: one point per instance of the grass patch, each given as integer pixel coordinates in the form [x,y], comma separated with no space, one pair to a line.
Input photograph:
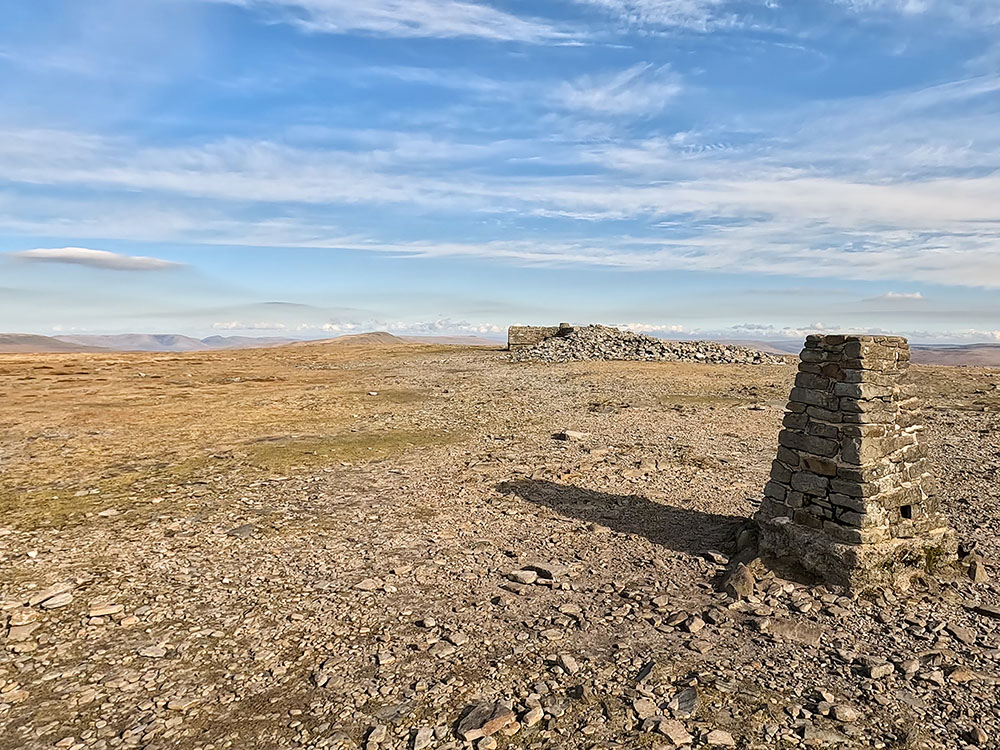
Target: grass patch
[283,452]
[59,505]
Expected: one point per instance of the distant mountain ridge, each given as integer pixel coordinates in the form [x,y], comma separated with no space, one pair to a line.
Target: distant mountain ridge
[29,343]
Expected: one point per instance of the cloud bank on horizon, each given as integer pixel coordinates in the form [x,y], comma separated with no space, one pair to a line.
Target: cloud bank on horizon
[473,164]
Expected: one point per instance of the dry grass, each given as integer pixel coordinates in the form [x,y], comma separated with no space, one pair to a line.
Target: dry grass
[81,432]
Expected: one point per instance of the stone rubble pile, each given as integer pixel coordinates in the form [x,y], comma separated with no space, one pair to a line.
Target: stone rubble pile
[606,343]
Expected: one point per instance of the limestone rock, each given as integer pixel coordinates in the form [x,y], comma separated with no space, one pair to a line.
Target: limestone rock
[484,720]
[675,732]
[55,590]
[720,738]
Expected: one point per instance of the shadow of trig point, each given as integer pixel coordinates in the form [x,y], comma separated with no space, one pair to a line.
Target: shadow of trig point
[850,498]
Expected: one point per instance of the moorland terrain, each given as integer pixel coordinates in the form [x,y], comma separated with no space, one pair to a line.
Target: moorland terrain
[353,545]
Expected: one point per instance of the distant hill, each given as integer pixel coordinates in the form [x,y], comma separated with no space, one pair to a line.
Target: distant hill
[18,343]
[246,342]
[138,342]
[969,355]
[380,338]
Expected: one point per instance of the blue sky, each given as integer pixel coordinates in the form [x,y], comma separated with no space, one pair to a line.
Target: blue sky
[313,167]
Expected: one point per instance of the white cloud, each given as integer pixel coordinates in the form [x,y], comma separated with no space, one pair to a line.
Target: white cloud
[905,296]
[236,325]
[651,328]
[670,14]
[894,6]
[443,326]
[641,89]
[82,256]
[411,18]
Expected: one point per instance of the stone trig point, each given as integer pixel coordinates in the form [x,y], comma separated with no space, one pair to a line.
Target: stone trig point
[850,498]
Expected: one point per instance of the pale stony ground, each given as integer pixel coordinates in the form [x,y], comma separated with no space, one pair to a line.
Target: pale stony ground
[347,602]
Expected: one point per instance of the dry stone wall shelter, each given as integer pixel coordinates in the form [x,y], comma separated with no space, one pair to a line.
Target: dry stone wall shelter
[525,337]
[851,498]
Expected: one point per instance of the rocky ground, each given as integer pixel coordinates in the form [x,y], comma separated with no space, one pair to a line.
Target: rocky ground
[604,343]
[431,548]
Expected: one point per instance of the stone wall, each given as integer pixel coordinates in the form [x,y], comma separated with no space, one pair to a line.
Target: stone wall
[524,337]
[851,498]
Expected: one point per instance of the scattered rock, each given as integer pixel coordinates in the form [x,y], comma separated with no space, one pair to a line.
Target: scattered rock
[568,663]
[59,600]
[977,570]
[101,609]
[879,670]
[685,703]
[242,532]
[845,713]
[549,571]
[523,576]
[978,737]
[716,557]
[423,738]
[739,584]
[484,720]
[55,590]
[644,708]
[675,732]
[803,632]
[532,717]
[720,738]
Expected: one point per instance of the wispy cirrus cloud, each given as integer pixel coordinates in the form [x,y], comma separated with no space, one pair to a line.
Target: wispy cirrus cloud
[412,18]
[827,190]
[81,256]
[671,14]
[642,89]
[962,12]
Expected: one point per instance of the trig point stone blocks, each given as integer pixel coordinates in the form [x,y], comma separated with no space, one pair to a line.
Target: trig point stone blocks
[850,498]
